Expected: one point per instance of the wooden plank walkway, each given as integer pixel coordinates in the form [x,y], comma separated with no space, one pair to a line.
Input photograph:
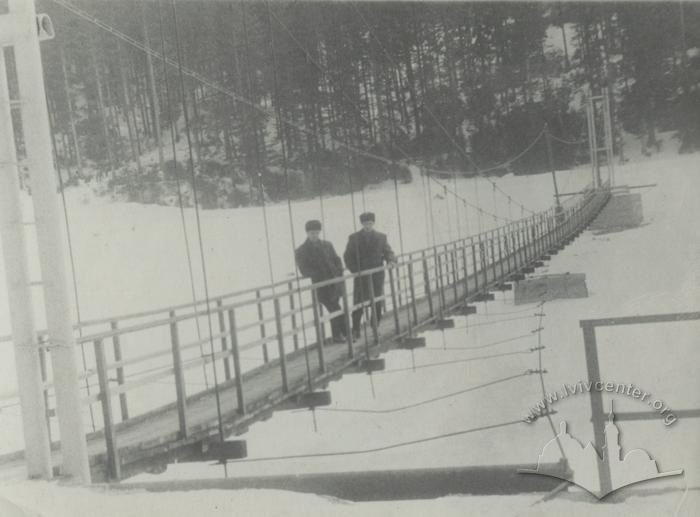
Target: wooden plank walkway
[147,442]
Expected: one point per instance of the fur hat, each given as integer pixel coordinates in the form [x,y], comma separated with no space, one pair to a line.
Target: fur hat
[367,216]
[313,225]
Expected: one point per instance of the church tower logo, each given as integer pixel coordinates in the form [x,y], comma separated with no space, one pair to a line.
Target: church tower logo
[599,474]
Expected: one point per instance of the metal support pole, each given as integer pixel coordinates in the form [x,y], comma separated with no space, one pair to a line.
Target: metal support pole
[113,463]
[224,342]
[280,344]
[117,347]
[412,288]
[347,309]
[36,438]
[453,256]
[439,279]
[500,255]
[597,412]
[482,260]
[492,248]
[475,267]
[236,362]
[373,312]
[49,230]
[607,122]
[397,325]
[179,373]
[426,285]
[263,332]
[465,269]
[292,306]
[550,157]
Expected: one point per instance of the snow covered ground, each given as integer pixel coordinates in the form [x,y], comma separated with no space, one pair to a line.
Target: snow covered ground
[651,269]
[131,257]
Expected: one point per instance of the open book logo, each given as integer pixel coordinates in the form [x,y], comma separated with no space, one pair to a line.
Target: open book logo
[599,474]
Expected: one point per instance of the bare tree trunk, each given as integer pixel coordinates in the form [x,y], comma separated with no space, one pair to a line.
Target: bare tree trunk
[71,119]
[135,151]
[566,48]
[196,128]
[101,106]
[153,93]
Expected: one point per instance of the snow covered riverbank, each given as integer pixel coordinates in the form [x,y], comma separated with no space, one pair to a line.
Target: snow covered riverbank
[651,269]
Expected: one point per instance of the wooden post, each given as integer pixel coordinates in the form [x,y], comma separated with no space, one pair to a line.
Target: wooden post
[280,344]
[236,361]
[263,332]
[319,331]
[292,306]
[116,344]
[224,343]
[426,285]
[113,463]
[397,325]
[179,377]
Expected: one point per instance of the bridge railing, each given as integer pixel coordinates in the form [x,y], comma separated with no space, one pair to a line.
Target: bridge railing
[267,325]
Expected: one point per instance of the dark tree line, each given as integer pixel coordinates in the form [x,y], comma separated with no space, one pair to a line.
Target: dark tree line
[446,85]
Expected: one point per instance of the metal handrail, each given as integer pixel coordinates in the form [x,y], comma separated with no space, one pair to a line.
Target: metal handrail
[271,286]
[475,257]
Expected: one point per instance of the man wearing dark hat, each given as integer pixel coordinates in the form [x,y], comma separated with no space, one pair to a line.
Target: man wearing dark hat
[318,261]
[367,249]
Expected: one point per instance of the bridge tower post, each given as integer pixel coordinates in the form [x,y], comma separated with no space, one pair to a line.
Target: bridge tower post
[27,28]
[37,451]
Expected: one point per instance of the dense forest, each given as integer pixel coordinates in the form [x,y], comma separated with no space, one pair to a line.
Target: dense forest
[301,97]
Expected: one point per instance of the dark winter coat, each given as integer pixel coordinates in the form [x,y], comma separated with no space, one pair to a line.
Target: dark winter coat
[367,250]
[319,261]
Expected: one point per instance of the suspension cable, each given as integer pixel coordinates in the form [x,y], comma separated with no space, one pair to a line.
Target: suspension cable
[71,257]
[285,168]
[428,401]
[261,186]
[199,226]
[379,449]
[178,186]
[541,378]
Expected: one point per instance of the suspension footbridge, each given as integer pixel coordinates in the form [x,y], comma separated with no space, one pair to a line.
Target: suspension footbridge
[423,289]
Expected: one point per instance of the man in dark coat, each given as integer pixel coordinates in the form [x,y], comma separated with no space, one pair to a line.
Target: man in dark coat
[367,249]
[318,261]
